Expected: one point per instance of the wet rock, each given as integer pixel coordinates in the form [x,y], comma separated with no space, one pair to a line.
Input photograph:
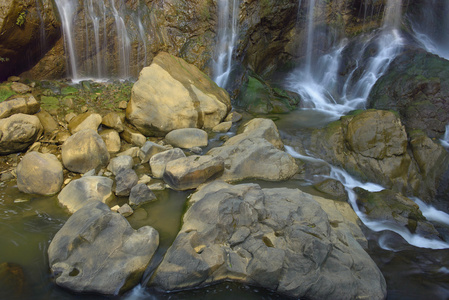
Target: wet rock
[256,153]
[234,117]
[222,127]
[97,251]
[84,151]
[82,191]
[114,121]
[187,138]
[120,163]
[12,281]
[18,132]
[149,149]
[88,120]
[280,239]
[19,104]
[159,161]
[125,180]
[189,172]
[141,194]
[395,209]
[111,139]
[39,173]
[333,188]
[417,86]
[172,94]
[132,136]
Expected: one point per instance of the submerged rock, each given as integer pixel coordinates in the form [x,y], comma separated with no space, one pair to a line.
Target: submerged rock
[12,281]
[39,173]
[172,94]
[97,251]
[280,239]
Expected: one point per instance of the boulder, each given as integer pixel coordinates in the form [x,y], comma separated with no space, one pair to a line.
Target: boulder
[160,160]
[88,120]
[120,163]
[111,139]
[189,172]
[417,86]
[256,153]
[222,127]
[125,180]
[280,239]
[396,210]
[187,138]
[39,173]
[18,132]
[114,121]
[82,191]
[19,104]
[149,149]
[233,117]
[97,251]
[373,145]
[140,194]
[84,151]
[334,189]
[172,94]
[20,88]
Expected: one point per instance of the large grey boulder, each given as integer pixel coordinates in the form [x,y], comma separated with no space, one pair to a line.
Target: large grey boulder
[187,138]
[97,251]
[280,239]
[159,161]
[172,94]
[141,194]
[84,151]
[256,153]
[125,180]
[120,163]
[23,104]
[39,173]
[189,172]
[149,149]
[18,132]
[82,191]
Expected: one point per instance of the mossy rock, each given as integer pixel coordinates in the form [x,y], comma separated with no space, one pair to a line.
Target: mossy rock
[259,97]
[69,90]
[5,92]
[49,102]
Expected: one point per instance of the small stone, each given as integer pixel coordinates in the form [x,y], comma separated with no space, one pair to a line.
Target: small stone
[34,147]
[67,181]
[196,150]
[222,127]
[157,186]
[69,117]
[133,137]
[123,105]
[125,181]
[125,210]
[120,163]
[234,117]
[115,208]
[84,109]
[20,88]
[133,152]
[141,194]
[144,179]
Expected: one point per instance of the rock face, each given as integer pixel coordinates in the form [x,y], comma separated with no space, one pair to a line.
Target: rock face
[172,94]
[417,86]
[373,145]
[256,153]
[25,104]
[97,251]
[280,239]
[18,132]
[39,173]
[84,151]
[82,191]
[189,172]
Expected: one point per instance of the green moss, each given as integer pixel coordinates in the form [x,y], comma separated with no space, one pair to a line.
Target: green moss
[69,90]
[49,103]
[5,92]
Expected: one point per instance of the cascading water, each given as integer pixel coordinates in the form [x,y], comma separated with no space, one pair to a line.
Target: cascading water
[350,183]
[97,40]
[431,27]
[318,80]
[227,36]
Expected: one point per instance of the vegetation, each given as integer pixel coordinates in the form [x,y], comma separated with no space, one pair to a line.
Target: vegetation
[21,18]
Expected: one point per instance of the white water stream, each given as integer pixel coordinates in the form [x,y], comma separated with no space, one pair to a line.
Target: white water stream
[228,11]
[350,183]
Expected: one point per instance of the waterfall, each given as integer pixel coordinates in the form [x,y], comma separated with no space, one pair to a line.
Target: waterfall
[97,39]
[431,27]
[318,81]
[227,35]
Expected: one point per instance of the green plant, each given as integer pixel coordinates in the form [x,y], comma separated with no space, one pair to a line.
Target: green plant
[21,18]
[4,59]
